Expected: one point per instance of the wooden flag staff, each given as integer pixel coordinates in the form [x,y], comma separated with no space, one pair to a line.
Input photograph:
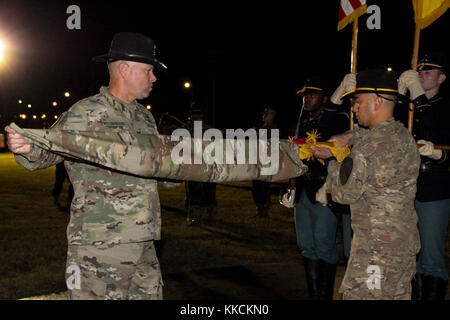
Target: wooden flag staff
[353,58]
[415,57]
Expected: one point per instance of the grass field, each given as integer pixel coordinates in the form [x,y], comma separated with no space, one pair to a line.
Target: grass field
[32,232]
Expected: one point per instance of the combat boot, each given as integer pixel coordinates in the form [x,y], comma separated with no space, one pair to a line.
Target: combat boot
[417,287]
[211,211]
[327,273]
[312,277]
[434,288]
[263,212]
[194,216]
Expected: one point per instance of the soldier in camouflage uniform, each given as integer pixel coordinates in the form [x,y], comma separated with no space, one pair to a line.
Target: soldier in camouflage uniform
[111,147]
[378,181]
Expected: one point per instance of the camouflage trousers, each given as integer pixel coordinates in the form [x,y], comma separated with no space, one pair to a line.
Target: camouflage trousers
[123,272]
[369,277]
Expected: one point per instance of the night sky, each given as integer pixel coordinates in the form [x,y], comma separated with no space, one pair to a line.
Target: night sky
[255,52]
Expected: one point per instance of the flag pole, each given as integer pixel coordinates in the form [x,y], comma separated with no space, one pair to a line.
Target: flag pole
[353,58]
[414,66]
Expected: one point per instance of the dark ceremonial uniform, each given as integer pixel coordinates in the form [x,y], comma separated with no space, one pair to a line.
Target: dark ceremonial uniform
[431,123]
[315,224]
[433,184]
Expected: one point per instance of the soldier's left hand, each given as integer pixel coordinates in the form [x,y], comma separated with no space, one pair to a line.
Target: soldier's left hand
[427,149]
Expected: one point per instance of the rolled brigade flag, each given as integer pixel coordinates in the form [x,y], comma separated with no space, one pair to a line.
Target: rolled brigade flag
[157,156]
[426,12]
[349,10]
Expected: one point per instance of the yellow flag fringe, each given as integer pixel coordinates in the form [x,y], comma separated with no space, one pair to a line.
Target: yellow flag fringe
[306,153]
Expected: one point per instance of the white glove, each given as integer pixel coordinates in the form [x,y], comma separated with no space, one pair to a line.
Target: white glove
[287,199]
[428,150]
[347,84]
[409,80]
[321,195]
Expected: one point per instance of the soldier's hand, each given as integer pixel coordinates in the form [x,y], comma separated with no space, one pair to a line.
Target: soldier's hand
[321,195]
[287,199]
[347,84]
[17,143]
[341,139]
[321,152]
[427,149]
[409,80]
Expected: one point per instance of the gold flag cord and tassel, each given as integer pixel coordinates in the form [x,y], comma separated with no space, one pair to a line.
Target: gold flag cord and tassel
[306,153]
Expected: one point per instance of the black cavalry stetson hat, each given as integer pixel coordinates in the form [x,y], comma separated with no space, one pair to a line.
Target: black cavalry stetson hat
[314,84]
[132,46]
[433,60]
[379,81]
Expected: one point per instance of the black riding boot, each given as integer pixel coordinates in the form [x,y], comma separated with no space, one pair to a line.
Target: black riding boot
[434,288]
[327,273]
[417,287]
[312,277]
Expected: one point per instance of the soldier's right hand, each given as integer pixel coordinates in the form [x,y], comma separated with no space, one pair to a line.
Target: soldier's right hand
[409,80]
[287,199]
[17,143]
[341,139]
[347,84]
[321,195]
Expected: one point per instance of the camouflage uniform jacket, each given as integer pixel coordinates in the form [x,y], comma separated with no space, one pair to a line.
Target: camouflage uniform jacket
[380,190]
[109,207]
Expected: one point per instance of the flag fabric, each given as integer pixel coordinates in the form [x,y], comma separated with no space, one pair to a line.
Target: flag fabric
[427,11]
[350,10]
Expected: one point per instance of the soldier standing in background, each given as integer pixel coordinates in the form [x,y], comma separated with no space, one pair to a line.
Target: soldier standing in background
[60,177]
[200,196]
[315,224]
[261,189]
[378,181]
[432,203]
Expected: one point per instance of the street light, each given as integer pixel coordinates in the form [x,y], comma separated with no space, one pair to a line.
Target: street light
[2,48]
[54,103]
[187,85]
[149,107]
[67,94]
[29,106]
[20,101]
